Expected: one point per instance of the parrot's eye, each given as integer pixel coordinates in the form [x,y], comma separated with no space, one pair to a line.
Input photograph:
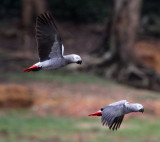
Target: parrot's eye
[101,109]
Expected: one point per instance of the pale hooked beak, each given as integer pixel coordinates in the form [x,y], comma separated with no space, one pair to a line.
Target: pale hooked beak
[141,110]
[79,62]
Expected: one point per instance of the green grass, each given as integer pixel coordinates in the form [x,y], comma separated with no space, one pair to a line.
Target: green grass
[26,127]
[62,76]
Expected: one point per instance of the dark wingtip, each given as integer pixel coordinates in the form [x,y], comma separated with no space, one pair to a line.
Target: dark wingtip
[45,18]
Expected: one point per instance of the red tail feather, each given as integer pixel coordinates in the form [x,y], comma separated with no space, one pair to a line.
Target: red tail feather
[98,113]
[32,68]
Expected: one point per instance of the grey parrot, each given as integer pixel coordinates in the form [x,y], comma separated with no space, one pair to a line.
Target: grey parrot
[50,46]
[113,114]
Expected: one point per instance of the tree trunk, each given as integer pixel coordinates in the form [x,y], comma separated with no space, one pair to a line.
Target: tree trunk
[28,8]
[121,32]
[121,37]
[124,29]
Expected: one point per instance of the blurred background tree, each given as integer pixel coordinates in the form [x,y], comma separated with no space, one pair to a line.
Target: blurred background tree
[119,60]
[29,7]
[111,29]
[82,11]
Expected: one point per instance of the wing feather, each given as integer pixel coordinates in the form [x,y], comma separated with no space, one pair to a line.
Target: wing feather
[112,116]
[118,103]
[48,38]
[116,123]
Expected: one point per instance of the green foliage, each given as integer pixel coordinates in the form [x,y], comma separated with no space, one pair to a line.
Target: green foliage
[81,11]
[61,76]
[89,11]
[150,18]
[78,11]
[10,8]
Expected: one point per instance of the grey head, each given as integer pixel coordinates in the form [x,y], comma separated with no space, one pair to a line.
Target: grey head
[133,107]
[73,58]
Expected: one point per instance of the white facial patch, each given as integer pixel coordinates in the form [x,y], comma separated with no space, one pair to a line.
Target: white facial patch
[77,57]
[139,106]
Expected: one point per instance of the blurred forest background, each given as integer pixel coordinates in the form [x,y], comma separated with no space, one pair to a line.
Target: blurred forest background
[120,48]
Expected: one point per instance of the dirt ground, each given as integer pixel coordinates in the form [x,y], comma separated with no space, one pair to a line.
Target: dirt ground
[76,100]
[149,51]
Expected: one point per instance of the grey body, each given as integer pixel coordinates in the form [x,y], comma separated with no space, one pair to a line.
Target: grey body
[113,114]
[53,63]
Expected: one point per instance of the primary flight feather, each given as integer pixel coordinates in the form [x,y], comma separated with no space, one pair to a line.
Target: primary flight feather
[50,47]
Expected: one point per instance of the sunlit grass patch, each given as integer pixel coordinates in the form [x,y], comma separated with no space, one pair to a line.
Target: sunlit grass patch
[26,127]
